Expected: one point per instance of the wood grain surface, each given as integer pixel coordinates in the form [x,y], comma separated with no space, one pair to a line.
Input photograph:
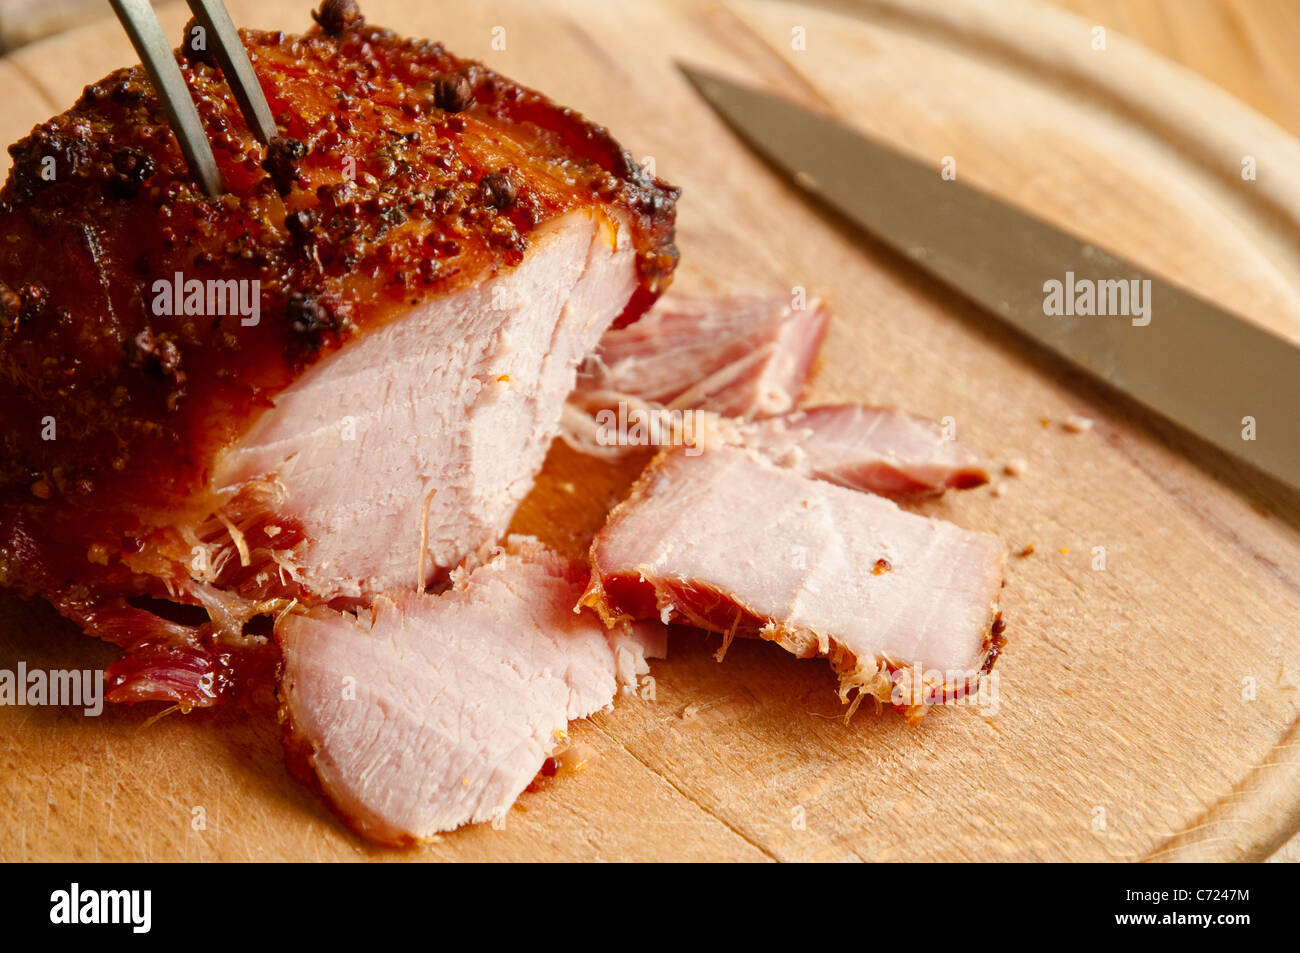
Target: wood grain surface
[1245,46]
[1144,709]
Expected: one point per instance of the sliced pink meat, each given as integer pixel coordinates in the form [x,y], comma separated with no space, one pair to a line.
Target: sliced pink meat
[426,712]
[427,433]
[869,448]
[729,542]
[739,356]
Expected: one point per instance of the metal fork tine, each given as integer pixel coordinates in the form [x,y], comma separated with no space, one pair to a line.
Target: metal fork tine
[232,56]
[141,25]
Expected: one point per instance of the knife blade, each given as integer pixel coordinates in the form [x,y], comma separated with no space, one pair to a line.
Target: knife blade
[1212,372]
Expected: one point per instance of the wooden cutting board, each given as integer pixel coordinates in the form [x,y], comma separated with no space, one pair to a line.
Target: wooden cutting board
[1145,709]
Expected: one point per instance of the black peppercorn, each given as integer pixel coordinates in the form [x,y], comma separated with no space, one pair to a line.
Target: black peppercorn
[498,191]
[282,155]
[452,93]
[335,16]
[306,313]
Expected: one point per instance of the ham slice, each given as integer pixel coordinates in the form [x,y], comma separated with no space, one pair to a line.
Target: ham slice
[728,542]
[337,379]
[745,355]
[427,712]
[881,451]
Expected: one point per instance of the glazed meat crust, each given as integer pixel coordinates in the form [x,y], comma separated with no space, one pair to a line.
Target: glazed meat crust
[438,200]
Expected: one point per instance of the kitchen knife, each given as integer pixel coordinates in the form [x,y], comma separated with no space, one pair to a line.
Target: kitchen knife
[1216,374]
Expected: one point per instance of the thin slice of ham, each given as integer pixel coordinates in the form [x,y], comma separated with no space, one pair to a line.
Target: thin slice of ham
[729,542]
[745,355]
[881,451]
[427,433]
[427,712]
[748,357]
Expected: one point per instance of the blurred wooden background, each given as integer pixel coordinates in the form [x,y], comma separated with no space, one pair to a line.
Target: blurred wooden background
[1248,47]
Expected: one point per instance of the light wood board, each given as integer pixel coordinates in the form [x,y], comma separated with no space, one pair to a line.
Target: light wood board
[1144,709]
